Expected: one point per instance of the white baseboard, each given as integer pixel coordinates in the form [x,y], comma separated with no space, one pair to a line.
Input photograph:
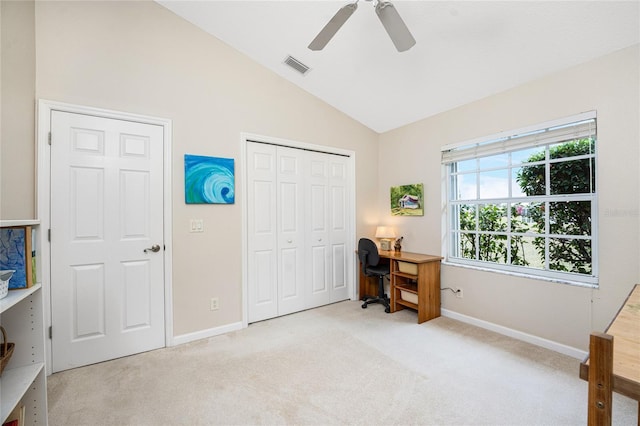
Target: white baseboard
[529,338]
[203,334]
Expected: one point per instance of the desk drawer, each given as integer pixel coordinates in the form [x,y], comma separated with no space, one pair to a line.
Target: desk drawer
[408,268]
[409,297]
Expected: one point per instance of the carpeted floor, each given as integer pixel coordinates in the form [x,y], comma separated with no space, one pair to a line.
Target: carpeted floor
[338,364]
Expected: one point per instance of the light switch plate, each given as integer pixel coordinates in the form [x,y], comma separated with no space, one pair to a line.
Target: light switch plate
[197,225]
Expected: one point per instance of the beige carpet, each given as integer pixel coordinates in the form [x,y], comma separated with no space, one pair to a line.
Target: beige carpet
[338,364]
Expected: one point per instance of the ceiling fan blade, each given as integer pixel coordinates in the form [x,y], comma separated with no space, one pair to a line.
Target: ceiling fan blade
[395,26]
[333,26]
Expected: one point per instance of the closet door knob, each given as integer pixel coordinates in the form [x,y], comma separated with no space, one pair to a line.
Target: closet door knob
[289,241]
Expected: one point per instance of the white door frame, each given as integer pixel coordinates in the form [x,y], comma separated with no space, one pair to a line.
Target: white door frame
[351,215]
[43,198]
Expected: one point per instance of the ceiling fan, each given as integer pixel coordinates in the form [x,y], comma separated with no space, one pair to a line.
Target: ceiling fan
[391,20]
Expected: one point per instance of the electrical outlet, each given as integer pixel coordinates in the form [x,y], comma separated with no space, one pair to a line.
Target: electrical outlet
[215,304]
[459,293]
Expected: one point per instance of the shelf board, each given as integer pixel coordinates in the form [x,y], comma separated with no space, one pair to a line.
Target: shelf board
[14,384]
[15,296]
[407,304]
[407,287]
[9,223]
[405,275]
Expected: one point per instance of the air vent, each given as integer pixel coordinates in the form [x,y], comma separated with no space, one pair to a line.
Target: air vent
[297,65]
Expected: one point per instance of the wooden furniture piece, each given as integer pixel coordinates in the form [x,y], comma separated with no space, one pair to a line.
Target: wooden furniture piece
[416,286]
[371,266]
[613,364]
[23,381]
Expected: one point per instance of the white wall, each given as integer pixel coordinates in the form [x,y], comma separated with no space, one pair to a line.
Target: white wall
[557,312]
[139,57]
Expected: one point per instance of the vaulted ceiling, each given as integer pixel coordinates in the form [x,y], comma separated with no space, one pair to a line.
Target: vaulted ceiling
[465,50]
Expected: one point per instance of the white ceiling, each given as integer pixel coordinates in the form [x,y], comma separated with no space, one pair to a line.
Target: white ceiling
[465,50]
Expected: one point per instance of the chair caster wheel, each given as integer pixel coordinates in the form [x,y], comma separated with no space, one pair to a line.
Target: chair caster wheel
[387,310]
[364,306]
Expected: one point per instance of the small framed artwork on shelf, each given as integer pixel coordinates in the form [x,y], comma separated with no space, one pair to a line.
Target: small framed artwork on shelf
[16,254]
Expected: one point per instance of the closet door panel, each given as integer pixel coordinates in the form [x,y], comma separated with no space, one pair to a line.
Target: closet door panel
[338,227]
[318,271]
[291,219]
[262,230]
[318,262]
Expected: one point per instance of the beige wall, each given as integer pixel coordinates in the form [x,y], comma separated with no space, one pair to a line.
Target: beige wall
[139,57]
[557,312]
[17,119]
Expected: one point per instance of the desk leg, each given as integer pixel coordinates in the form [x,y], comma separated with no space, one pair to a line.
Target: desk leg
[600,372]
[428,291]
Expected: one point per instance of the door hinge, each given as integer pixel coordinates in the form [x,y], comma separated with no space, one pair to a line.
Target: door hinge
[49,138]
[49,234]
[50,332]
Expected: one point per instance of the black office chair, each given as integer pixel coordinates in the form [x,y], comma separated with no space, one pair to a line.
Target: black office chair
[369,259]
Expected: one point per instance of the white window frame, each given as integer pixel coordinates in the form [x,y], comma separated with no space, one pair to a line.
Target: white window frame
[539,135]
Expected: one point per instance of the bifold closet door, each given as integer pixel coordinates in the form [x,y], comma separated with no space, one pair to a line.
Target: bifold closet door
[276,231]
[290,214]
[326,233]
[297,228]
[262,258]
[339,229]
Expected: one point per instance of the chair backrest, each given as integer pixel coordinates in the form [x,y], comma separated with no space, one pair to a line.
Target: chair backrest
[368,252]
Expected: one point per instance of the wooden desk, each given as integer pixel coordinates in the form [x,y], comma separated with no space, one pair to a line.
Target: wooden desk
[422,281]
[615,361]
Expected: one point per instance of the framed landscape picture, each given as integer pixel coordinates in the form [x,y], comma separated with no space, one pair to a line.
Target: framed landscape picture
[407,200]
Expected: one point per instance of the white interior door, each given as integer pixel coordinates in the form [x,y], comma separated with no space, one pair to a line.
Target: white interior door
[262,264]
[107,288]
[327,229]
[318,264]
[298,229]
[338,227]
[291,220]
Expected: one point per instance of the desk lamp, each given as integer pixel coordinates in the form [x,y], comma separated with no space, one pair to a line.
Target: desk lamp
[386,235]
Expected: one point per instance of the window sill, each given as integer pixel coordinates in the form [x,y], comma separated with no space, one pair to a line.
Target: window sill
[522,275]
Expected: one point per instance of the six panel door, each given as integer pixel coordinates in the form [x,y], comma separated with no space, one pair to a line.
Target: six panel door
[107,292]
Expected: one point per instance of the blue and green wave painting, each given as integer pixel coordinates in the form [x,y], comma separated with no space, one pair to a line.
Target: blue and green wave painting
[208,180]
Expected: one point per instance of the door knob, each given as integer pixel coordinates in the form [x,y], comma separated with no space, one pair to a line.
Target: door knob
[154,248]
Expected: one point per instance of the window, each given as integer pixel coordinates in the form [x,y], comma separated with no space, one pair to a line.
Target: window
[525,202]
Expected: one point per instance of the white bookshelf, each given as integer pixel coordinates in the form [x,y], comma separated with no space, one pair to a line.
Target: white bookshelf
[22,316]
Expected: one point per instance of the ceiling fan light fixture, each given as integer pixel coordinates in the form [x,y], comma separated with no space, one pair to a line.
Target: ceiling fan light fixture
[332,27]
[388,15]
[395,26]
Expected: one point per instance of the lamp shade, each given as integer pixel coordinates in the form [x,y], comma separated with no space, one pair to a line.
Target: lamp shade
[385,232]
